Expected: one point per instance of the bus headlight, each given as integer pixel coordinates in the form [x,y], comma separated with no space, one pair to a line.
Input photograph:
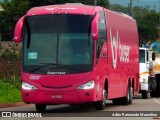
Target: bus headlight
[86,86]
[27,86]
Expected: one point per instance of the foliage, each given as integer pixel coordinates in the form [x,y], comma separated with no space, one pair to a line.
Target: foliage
[140,12]
[147,21]
[152,18]
[10,72]
[147,32]
[104,3]
[10,93]
[10,52]
[117,7]
[10,56]
[13,10]
[9,69]
[147,27]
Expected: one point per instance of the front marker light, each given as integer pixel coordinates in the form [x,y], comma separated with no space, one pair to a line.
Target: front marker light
[27,86]
[86,86]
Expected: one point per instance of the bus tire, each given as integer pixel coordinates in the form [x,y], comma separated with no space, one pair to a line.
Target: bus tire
[157,85]
[128,99]
[40,107]
[100,105]
[153,94]
[145,94]
[117,101]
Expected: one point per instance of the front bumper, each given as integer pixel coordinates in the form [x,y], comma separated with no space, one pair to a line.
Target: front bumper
[58,97]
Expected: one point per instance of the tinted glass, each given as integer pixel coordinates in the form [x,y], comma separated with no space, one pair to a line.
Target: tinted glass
[142,56]
[58,39]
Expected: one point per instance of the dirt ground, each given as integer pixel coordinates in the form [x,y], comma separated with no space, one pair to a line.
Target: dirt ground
[6,105]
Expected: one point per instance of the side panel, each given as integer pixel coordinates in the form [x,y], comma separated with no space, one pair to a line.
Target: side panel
[123,53]
[120,65]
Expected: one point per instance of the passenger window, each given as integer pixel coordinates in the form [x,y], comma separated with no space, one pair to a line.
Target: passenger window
[99,48]
[102,33]
[102,26]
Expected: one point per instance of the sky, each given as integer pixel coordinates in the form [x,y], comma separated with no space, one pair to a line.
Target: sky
[153,4]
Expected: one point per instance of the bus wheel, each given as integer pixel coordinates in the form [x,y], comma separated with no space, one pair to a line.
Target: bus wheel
[100,105]
[128,99]
[145,94]
[40,107]
[158,85]
[153,94]
[156,92]
[117,101]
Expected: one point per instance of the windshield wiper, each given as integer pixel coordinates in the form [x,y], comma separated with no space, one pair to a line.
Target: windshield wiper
[56,66]
[45,65]
[68,67]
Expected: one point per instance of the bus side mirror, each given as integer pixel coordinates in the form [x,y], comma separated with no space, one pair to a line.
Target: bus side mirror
[153,56]
[18,30]
[94,27]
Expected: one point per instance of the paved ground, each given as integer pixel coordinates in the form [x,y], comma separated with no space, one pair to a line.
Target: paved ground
[87,112]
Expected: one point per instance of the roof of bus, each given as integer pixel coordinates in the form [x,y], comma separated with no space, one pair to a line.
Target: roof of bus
[64,9]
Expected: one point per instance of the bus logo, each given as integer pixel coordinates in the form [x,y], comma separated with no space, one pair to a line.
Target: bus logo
[55,73]
[124,50]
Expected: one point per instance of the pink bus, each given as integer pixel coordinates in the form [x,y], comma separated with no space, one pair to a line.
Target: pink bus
[74,53]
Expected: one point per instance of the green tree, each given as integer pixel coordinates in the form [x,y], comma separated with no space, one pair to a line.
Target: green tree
[147,31]
[13,10]
[152,18]
[147,27]
[117,7]
[140,12]
[34,3]
[147,21]
[103,3]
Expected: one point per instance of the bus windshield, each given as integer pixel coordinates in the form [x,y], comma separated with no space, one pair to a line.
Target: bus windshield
[57,43]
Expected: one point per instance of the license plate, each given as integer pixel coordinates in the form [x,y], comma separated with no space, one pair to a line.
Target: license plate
[56,96]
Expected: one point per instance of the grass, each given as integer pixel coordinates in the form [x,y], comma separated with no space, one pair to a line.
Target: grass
[9,92]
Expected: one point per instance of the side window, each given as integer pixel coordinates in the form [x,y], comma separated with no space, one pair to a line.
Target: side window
[102,33]
[102,26]
[99,48]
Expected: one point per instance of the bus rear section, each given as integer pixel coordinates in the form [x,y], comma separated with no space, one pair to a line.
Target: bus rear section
[122,63]
[71,56]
